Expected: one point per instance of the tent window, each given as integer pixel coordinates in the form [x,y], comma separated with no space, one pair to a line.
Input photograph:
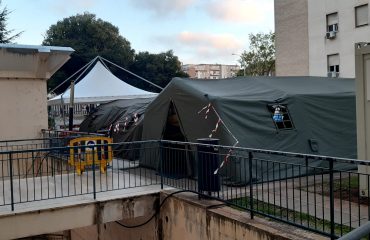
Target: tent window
[280,116]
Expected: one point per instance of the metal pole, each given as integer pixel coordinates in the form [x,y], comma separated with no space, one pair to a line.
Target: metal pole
[161,163]
[93,168]
[332,223]
[358,233]
[11,181]
[251,184]
[71,102]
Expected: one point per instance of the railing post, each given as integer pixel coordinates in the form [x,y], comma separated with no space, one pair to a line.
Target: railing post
[11,181]
[331,183]
[93,168]
[161,163]
[250,158]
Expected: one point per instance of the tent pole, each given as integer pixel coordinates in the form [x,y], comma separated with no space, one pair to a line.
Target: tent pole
[71,103]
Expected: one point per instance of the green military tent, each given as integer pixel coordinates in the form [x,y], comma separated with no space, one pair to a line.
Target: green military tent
[319,113]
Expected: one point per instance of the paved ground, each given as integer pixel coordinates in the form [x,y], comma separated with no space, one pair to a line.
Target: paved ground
[33,191]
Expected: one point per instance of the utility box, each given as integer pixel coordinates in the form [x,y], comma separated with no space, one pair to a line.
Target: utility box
[362,64]
[208,161]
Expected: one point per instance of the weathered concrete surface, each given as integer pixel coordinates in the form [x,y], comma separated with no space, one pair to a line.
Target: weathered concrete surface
[76,214]
[182,216]
[185,217]
[113,231]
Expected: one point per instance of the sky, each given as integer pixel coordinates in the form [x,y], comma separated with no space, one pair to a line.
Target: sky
[198,31]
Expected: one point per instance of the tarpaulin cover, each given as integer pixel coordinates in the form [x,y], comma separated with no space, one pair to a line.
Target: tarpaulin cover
[114,115]
[322,112]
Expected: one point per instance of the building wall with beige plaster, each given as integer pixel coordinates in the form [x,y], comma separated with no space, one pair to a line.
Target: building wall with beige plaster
[291,29]
[24,71]
[23,108]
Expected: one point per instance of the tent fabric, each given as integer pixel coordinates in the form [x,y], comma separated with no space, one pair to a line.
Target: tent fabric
[118,119]
[100,85]
[117,112]
[322,110]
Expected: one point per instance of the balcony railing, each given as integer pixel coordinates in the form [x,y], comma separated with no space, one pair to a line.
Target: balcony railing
[326,195]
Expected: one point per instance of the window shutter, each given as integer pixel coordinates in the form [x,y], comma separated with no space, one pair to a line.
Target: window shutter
[333,60]
[332,19]
[362,15]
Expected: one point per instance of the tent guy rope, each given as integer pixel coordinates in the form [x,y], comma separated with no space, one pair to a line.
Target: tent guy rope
[227,157]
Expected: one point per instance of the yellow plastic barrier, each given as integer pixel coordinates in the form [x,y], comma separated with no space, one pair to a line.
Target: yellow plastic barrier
[88,153]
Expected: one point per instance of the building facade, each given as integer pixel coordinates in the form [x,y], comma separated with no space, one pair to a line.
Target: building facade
[210,71]
[317,38]
[24,71]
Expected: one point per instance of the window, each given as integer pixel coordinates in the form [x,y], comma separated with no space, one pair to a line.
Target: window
[362,15]
[333,65]
[332,22]
[283,121]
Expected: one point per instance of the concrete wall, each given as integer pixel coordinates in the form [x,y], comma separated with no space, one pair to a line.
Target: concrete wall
[184,217]
[362,101]
[291,28]
[113,231]
[348,35]
[23,108]
[24,70]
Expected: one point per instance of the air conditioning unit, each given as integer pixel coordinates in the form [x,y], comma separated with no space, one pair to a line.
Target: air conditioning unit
[333,74]
[331,34]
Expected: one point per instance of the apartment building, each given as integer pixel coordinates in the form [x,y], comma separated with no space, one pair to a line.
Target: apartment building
[210,71]
[317,38]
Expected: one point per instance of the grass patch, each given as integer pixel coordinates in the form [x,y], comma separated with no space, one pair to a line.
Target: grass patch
[345,188]
[296,217]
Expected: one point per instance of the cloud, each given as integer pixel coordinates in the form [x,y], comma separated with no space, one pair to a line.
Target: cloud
[163,7]
[240,11]
[212,41]
[197,47]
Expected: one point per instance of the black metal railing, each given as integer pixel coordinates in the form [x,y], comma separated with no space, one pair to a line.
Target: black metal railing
[47,133]
[30,175]
[326,195]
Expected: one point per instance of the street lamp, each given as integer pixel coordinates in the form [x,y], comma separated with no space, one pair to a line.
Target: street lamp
[242,61]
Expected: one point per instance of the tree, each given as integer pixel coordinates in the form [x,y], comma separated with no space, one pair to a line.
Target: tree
[260,59]
[157,68]
[89,37]
[5,34]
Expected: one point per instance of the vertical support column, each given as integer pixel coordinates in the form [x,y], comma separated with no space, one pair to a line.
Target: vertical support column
[71,103]
[11,181]
[331,183]
[93,169]
[161,163]
[250,158]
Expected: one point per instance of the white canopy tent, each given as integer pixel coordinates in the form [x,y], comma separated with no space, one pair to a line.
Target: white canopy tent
[99,86]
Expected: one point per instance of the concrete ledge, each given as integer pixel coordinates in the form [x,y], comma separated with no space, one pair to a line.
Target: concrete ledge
[184,216]
[77,214]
